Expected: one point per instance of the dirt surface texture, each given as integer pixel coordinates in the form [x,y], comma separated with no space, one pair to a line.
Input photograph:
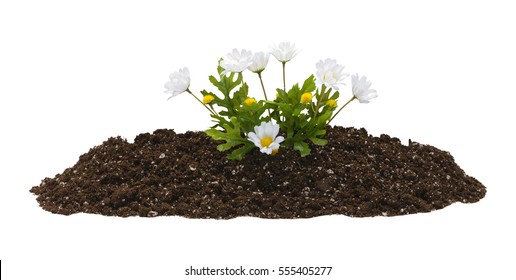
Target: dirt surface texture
[166,173]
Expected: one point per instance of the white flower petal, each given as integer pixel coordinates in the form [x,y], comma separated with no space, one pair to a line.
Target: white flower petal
[266,150]
[266,129]
[236,61]
[361,89]
[284,51]
[274,146]
[260,60]
[260,130]
[275,130]
[178,83]
[330,74]
[254,138]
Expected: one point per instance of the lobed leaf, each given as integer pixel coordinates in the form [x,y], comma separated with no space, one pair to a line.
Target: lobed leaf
[302,147]
[232,137]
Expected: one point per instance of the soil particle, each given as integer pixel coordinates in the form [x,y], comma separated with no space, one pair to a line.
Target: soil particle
[165,173]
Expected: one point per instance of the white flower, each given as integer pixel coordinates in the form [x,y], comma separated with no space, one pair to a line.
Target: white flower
[179,82]
[236,61]
[260,61]
[361,89]
[329,73]
[264,137]
[284,51]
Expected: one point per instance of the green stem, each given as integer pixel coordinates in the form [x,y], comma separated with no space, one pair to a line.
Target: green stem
[263,87]
[241,75]
[284,85]
[205,106]
[323,89]
[352,98]
[264,93]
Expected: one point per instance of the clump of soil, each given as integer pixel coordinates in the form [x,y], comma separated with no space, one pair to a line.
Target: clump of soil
[165,173]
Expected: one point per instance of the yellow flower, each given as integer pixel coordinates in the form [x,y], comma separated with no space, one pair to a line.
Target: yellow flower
[306,97]
[249,101]
[331,103]
[207,99]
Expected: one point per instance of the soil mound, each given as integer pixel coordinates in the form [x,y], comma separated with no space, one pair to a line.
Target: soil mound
[166,173]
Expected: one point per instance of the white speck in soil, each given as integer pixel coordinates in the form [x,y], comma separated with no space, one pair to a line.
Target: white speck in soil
[162,156]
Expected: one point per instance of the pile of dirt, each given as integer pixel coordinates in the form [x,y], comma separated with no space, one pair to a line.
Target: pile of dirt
[166,173]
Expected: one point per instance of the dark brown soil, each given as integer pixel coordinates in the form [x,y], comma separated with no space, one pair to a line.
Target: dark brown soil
[165,173]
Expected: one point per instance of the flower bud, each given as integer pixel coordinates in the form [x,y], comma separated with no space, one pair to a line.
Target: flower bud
[331,103]
[249,101]
[207,99]
[306,97]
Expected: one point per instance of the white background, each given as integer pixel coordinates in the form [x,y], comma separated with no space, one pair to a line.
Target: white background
[73,73]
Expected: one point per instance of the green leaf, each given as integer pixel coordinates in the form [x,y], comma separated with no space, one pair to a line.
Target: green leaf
[318,141]
[335,95]
[294,95]
[290,132]
[302,147]
[232,137]
[297,111]
[308,85]
[226,146]
[215,134]
[226,83]
[219,68]
[322,119]
[214,81]
[241,94]
[272,102]
[282,96]
[239,153]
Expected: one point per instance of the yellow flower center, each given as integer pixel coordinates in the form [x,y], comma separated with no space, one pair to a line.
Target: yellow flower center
[249,101]
[306,97]
[207,99]
[332,103]
[266,141]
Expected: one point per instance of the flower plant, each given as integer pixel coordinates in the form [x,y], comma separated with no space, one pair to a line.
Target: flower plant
[294,119]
